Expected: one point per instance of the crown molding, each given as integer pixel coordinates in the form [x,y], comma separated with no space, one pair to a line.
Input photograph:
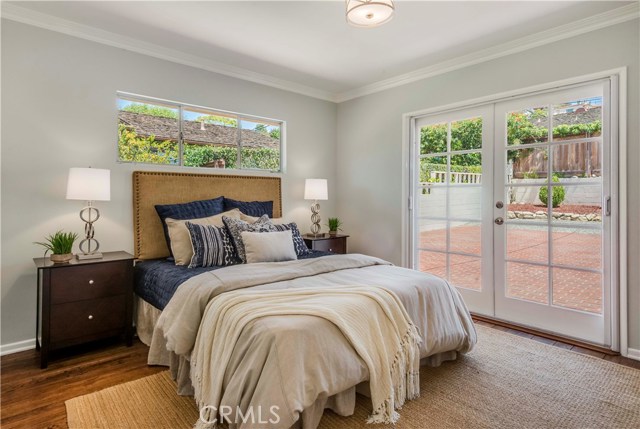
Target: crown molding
[595,22]
[71,28]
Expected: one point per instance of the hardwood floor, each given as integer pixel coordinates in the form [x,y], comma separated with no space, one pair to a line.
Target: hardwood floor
[34,398]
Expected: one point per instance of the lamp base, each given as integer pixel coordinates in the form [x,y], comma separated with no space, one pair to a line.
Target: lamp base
[94,255]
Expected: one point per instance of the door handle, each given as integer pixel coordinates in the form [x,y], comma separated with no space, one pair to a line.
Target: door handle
[499,204]
[499,221]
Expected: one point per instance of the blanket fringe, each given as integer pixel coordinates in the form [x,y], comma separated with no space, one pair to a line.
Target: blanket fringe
[405,376]
[205,417]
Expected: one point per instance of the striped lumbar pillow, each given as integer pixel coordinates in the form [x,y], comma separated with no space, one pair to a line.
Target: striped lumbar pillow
[211,246]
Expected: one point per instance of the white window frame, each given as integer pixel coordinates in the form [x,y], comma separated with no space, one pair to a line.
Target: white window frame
[137,98]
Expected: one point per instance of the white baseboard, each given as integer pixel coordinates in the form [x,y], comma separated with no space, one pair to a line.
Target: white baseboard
[633,354]
[20,346]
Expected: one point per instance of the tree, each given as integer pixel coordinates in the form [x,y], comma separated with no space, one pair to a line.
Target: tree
[261,128]
[275,133]
[218,120]
[149,109]
[133,148]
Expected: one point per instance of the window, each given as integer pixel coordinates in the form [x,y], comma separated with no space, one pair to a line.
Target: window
[161,132]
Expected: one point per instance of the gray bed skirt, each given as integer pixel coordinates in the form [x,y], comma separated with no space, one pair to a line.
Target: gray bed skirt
[342,403]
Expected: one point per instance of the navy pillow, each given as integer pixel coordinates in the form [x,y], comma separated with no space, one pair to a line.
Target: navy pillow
[192,210]
[250,208]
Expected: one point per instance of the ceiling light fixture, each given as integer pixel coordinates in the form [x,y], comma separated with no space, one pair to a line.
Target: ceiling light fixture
[369,13]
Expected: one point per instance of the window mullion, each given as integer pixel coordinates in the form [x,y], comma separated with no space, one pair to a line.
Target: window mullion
[180,137]
[239,144]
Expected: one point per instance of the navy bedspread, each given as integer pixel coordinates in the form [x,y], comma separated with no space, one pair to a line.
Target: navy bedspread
[157,280]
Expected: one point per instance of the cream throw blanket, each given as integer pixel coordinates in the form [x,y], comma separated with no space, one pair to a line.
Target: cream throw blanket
[372,319]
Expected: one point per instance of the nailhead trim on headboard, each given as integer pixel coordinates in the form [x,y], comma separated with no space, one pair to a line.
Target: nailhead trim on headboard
[148,187]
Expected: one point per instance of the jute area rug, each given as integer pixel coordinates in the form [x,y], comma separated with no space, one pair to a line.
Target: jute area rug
[505,382]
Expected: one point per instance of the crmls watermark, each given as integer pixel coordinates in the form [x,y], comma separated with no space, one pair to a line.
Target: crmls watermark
[228,414]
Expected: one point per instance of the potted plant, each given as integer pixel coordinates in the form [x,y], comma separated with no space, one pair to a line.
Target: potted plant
[60,245]
[334,225]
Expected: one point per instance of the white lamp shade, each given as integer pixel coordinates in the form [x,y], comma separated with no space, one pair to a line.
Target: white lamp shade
[369,13]
[89,184]
[315,189]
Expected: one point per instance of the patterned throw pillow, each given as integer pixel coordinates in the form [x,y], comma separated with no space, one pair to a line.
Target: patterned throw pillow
[236,227]
[298,241]
[211,246]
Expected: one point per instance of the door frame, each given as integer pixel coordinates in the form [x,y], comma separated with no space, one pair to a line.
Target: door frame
[619,281]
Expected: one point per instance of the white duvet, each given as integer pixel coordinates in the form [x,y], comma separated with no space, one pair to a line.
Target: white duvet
[303,364]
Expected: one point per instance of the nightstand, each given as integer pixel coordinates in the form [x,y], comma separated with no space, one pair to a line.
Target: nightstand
[327,243]
[82,301]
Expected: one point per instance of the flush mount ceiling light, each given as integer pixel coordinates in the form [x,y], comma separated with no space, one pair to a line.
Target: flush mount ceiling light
[369,13]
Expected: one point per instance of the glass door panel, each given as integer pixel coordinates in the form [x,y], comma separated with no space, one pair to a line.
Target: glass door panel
[511,206]
[452,216]
[549,259]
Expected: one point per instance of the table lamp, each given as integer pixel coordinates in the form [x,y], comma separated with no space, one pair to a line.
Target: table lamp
[89,184]
[315,189]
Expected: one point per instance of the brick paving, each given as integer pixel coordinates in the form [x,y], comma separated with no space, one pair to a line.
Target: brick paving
[575,289]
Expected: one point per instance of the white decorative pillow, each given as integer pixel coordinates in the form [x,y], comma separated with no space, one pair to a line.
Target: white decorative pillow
[181,246]
[268,246]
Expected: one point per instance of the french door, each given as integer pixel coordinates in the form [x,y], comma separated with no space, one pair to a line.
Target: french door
[513,208]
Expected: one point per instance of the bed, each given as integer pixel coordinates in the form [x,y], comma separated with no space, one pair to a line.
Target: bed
[301,363]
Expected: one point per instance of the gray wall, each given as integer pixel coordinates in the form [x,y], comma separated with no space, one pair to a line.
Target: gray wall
[59,111]
[369,156]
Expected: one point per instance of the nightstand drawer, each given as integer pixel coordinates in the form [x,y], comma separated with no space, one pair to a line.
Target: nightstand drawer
[76,283]
[82,301]
[335,245]
[86,318]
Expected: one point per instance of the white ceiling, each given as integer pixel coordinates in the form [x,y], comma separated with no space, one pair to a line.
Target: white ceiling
[309,44]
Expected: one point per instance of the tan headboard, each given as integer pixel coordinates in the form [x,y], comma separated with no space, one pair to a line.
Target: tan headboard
[154,187]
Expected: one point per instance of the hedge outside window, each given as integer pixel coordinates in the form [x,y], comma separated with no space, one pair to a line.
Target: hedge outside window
[161,132]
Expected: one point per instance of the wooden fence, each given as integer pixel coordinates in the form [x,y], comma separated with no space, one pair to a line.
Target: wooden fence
[577,159]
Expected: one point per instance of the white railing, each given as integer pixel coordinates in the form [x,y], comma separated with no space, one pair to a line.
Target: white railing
[440,176]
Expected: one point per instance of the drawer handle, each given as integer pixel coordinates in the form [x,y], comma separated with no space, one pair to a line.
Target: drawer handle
[91,317]
[90,282]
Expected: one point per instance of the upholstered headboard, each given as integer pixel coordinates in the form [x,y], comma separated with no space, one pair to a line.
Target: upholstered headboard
[155,187]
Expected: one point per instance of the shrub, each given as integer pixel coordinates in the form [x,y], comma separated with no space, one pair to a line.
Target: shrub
[558,193]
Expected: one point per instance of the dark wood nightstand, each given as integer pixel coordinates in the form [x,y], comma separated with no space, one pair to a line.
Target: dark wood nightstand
[83,300]
[327,243]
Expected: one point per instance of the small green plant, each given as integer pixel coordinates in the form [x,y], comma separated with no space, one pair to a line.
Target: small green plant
[59,243]
[558,193]
[531,174]
[334,224]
